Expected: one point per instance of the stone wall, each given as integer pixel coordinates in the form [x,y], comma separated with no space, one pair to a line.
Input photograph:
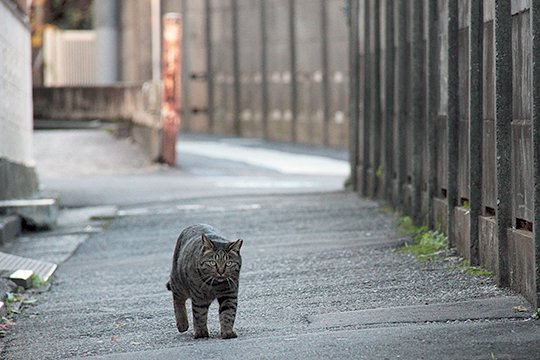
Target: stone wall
[135,105]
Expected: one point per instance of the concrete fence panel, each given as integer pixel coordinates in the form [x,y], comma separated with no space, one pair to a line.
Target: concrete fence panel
[448,126]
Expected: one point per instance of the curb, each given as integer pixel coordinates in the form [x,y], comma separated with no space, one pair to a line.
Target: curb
[10,228]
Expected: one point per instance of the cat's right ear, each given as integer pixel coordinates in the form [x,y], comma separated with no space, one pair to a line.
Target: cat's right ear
[208,245]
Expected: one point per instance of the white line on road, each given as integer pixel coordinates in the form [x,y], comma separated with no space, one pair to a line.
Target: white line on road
[284,162]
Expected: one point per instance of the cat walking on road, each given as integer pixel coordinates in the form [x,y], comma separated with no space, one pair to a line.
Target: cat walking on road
[206,267]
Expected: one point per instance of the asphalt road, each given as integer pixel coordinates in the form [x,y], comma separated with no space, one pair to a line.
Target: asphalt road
[320,279]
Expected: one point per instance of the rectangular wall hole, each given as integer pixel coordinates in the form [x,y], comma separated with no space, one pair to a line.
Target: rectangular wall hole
[464,202]
[409,179]
[444,193]
[490,211]
[522,224]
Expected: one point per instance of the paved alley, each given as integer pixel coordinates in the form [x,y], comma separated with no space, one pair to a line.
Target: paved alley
[320,277]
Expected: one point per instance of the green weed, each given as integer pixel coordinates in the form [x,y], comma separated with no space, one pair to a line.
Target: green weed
[477,271]
[380,172]
[426,243]
[407,228]
[37,281]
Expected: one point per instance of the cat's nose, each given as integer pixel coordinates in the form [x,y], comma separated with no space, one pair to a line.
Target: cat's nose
[221,272]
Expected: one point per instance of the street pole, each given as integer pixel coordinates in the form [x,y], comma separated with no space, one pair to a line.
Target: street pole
[171,80]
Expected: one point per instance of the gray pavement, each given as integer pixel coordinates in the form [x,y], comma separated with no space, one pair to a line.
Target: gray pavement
[320,277]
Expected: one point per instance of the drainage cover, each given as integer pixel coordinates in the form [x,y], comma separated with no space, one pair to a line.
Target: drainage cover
[11,263]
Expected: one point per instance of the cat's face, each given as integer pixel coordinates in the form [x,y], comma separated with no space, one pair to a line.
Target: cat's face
[220,261]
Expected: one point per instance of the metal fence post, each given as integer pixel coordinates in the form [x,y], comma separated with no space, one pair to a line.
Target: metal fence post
[476,46]
[503,120]
[453,117]
[171,78]
[354,94]
[535,30]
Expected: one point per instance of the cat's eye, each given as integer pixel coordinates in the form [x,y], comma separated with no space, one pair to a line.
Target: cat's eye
[229,263]
[212,262]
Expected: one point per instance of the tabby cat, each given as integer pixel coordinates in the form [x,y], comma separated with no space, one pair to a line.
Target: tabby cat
[205,267]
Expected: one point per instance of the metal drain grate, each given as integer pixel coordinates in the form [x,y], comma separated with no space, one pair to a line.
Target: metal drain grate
[11,263]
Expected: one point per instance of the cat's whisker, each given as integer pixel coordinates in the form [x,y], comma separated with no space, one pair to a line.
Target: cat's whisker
[208,281]
[233,281]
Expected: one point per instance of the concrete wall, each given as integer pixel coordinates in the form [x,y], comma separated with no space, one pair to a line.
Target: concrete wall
[275,69]
[135,105]
[135,40]
[17,175]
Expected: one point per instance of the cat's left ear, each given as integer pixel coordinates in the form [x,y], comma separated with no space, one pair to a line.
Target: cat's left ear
[208,245]
[235,245]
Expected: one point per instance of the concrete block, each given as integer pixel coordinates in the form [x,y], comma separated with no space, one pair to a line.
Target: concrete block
[440,214]
[488,243]
[521,263]
[10,228]
[22,278]
[462,228]
[38,213]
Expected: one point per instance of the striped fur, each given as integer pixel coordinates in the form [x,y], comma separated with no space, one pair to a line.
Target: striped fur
[205,267]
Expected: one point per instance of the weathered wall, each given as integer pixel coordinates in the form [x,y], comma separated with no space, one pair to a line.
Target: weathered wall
[136,105]
[17,175]
[457,149]
[267,68]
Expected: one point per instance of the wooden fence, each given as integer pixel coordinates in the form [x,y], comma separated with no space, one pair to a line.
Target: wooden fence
[445,124]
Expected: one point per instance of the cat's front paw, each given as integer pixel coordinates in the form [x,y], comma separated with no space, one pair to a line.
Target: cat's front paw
[201,334]
[229,335]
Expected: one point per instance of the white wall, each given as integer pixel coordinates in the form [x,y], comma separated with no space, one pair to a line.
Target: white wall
[15,89]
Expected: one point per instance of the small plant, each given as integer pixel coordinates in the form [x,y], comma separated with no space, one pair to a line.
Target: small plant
[477,271]
[473,270]
[37,281]
[536,315]
[380,172]
[407,228]
[426,243]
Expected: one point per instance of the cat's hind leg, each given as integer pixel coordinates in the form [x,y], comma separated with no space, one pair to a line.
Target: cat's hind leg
[180,313]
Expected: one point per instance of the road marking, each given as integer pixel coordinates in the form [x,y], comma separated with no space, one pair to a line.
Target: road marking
[284,162]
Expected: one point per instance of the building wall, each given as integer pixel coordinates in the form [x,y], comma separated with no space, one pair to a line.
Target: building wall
[16,157]
[135,40]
